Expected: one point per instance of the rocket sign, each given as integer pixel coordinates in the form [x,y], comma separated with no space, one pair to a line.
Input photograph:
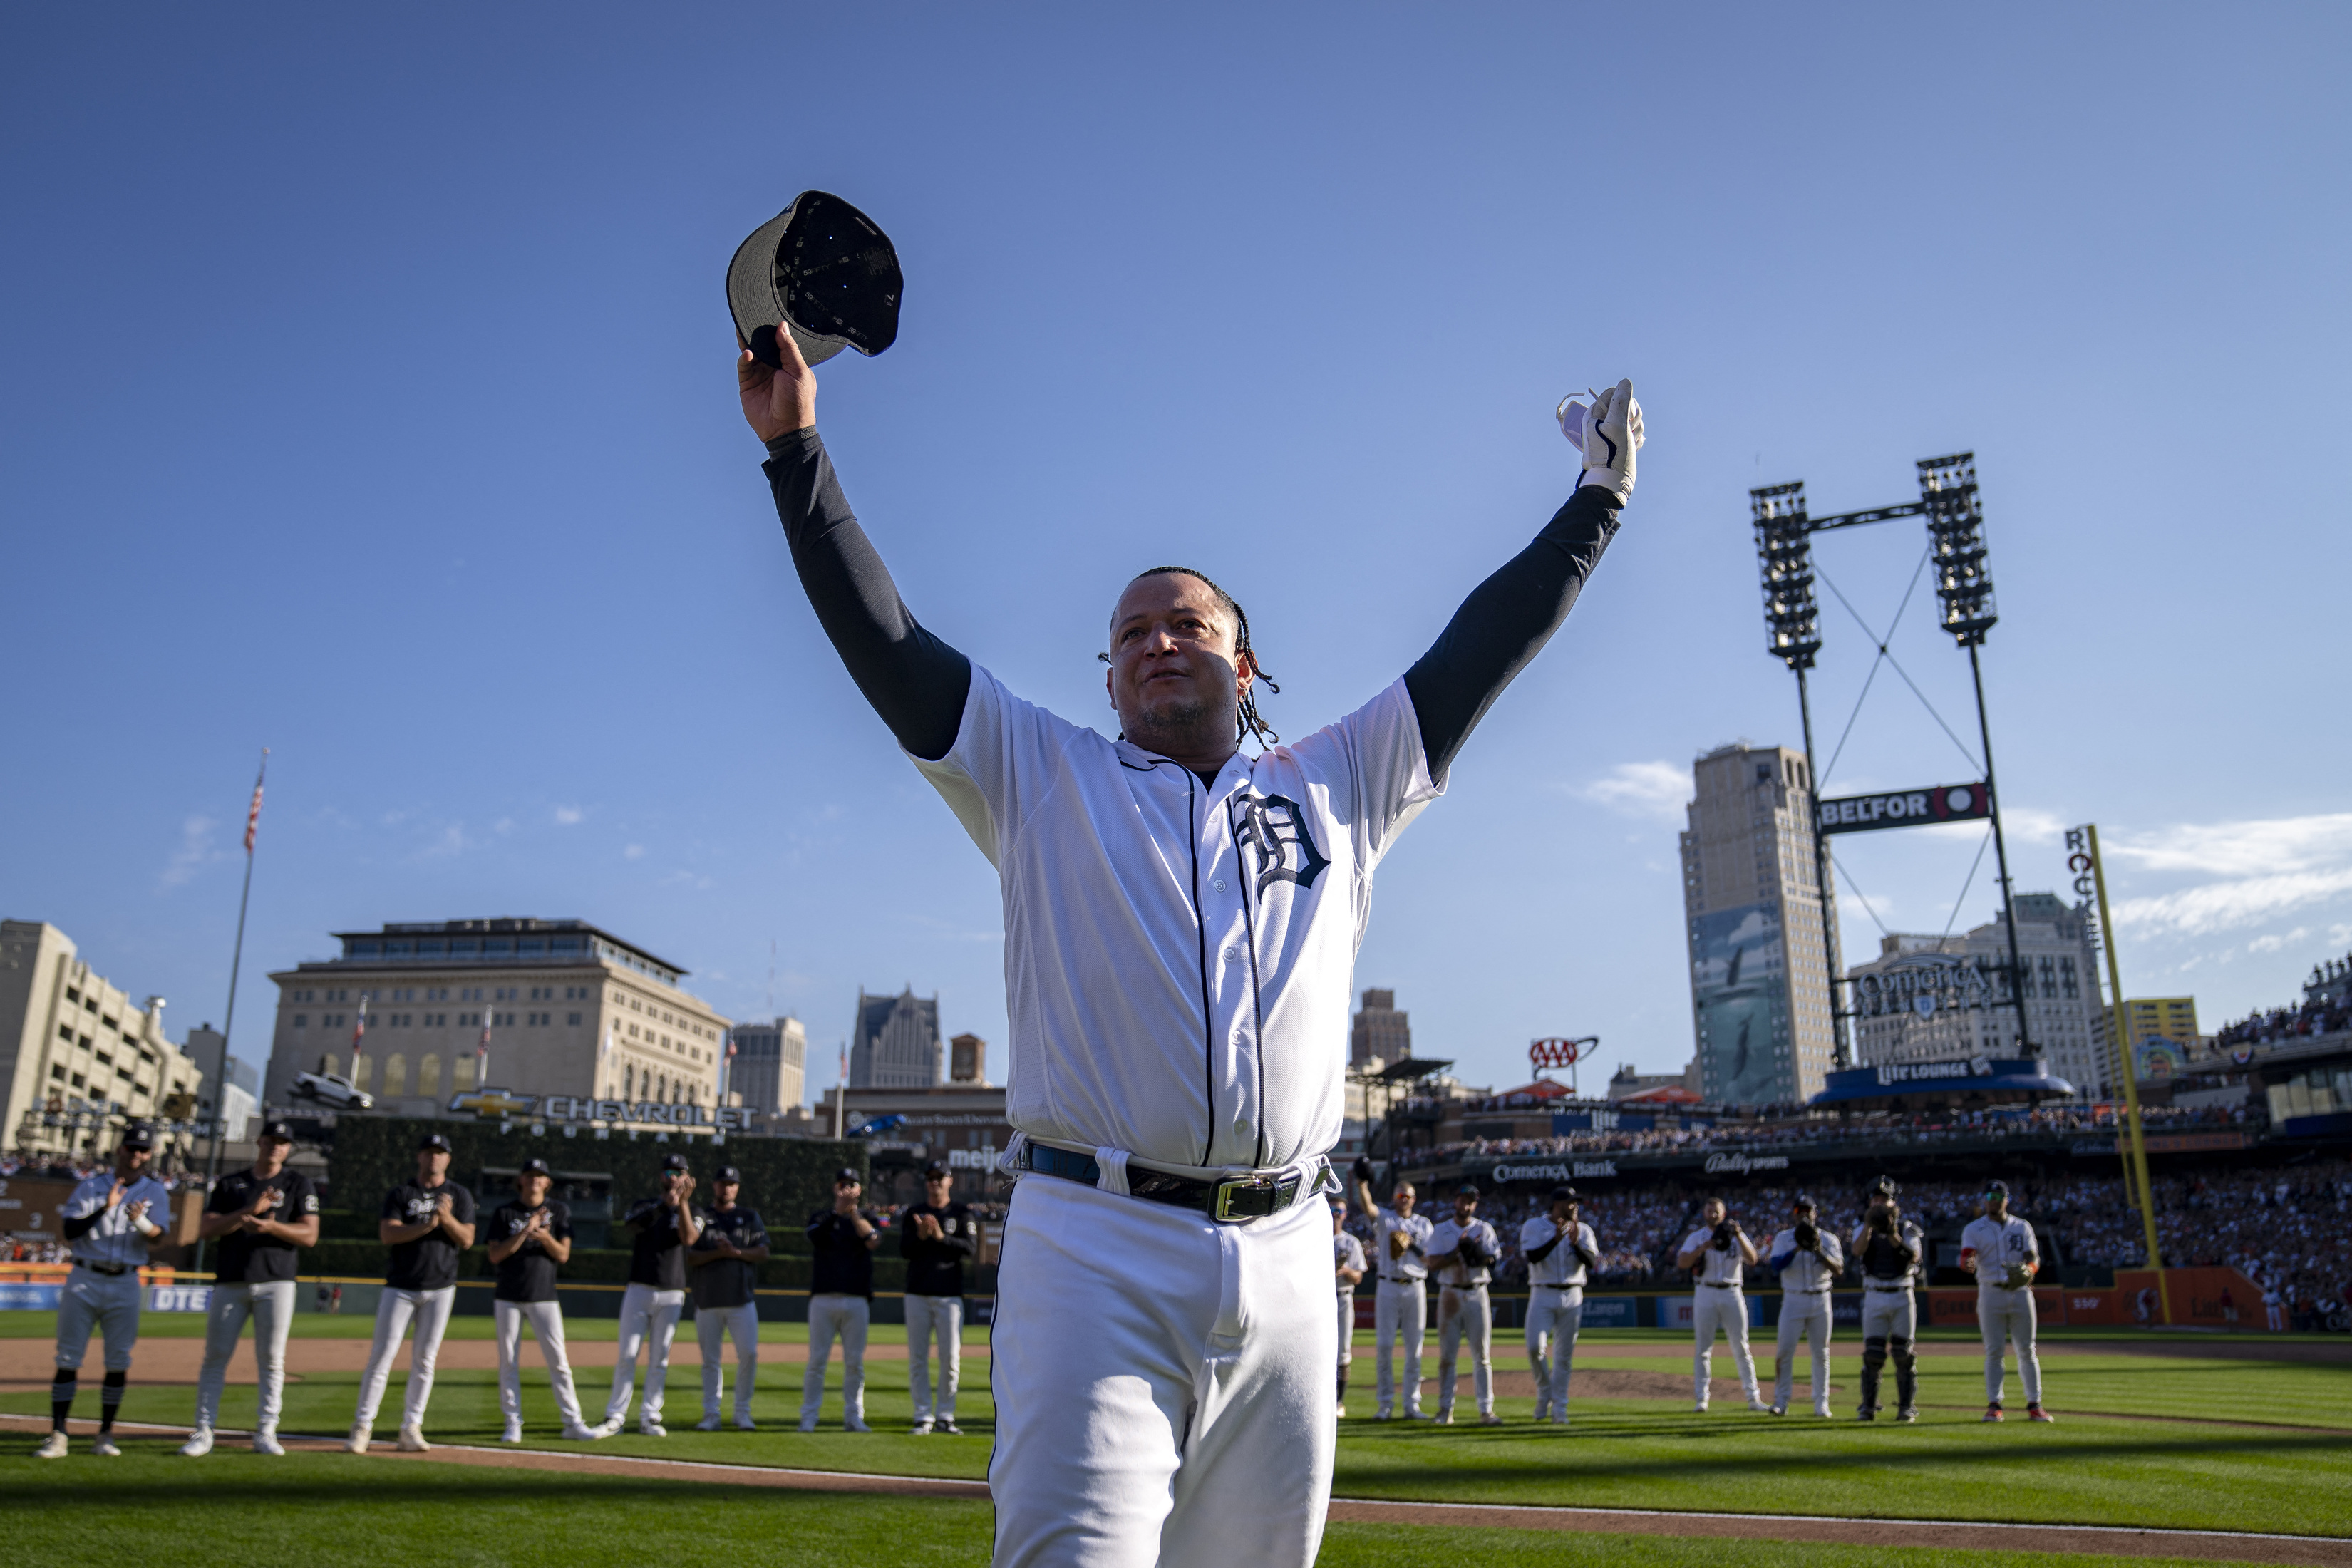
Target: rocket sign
[1906,808]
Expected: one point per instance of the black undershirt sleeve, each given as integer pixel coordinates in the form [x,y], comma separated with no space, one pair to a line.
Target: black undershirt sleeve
[77,1228]
[915,681]
[1505,622]
[1537,1253]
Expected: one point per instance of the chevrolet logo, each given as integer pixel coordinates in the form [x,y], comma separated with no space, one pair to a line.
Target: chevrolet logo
[495,1102]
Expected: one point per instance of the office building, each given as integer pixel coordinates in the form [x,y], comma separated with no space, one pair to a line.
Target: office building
[896,1042]
[769,1072]
[2171,1020]
[1758,947]
[968,1060]
[1379,1033]
[231,1089]
[571,1009]
[77,1057]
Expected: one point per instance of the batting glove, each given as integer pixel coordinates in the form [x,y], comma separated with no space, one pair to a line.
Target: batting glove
[1608,433]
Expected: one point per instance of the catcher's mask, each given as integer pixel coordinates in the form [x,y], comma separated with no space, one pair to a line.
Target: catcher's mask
[823,270]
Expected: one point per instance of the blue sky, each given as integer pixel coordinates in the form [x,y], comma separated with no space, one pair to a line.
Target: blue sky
[367,397]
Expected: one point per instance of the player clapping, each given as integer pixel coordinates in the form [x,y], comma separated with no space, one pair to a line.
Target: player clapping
[1715,1254]
[1561,1253]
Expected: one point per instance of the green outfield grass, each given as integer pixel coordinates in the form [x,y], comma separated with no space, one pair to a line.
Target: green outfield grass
[149,1506]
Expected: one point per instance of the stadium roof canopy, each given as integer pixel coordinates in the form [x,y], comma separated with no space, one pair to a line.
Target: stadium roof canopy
[1920,1086]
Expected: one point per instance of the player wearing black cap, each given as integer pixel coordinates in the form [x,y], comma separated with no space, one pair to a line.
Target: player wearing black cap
[427,1222]
[1808,1261]
[726,1259]
[106,1220]
[1463,1250]
[1889,1248]
[529,1238]
[937,1237]
[841,1289]
[260,1217]
[1561,1252]
[650,1308]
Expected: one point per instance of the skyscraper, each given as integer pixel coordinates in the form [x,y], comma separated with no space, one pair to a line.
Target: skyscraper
[770,1071]
[1379,1031]
[896,1042]
[1759,979]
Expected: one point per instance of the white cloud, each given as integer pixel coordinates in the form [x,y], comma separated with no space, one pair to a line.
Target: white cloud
[634,852]
[2280,846]
[2223,906]
[569,815]
[195,848]
[452,841]
[2032,825]
[1658,789]
[503,824]
[2277,939]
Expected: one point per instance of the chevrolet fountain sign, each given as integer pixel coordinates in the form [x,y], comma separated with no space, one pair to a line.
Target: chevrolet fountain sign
[499,1104]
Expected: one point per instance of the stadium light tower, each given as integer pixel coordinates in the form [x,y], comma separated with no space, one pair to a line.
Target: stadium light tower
[1948,494]
[1792,620]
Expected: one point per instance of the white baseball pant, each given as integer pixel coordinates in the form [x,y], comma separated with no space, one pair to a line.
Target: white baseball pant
[2008,1315]
[1162,1382]
[1464,1313]
[847,1316]
[929,1318]
[1804,1316]
[1555,1316]
[649,1320]
[1347,1326]
[1721,1307]
[546,1320]
[270,1304]
[713,1326]
[1400,1307]
[106,1302]
[394,1311]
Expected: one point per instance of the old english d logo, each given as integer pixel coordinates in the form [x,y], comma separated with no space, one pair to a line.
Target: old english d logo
[1275,828]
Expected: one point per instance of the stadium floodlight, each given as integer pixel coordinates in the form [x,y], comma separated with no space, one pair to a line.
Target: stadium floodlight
[1784,557]
[1948,490]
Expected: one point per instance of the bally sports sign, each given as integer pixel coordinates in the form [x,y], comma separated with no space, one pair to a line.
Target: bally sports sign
[1906,808]
[1744,1163]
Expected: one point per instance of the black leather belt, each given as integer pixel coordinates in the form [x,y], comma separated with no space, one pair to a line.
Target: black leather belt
[1235,1200]
[111,1270]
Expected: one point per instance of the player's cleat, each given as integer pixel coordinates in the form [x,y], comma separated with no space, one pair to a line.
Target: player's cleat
[1780,1410]
[1414,1412]
[357,1443]
[412,1441]
[1445,1418]
[1560,1419]
[2035,1412]
[608,1427]
[1906,1415]
[1823,1410]
[1700,1408]
[1992,1413]
[266,1443]
[922,1428]
[1384,1413]
[513,1434]
[1339,1410]
[745,1423]
[854,1424]
[579,1432]
[707,1423]
[808,1423]
[1543,1409]
[1866,1413]
[947,1428]
[105,1448]
[1759,1407]
[199,1443]
[53,1446]
[1488,1418]
[651,1429]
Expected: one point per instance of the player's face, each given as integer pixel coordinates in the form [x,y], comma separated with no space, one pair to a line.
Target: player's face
[432,1164]
[1563,1211]
[935,1190]
[1339,1222]
[725,1193]
[1172,658]
[532,1189]
[1997,1205]
[130,1161]
[269,1156]
[1714,1211]
[1464,1206]
[1401,1200]
[849,1190]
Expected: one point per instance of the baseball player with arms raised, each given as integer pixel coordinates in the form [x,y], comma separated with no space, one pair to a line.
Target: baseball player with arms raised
[1181,924]
[1999,1250]
[428,1223]
[1463,1250]
[1889,1248]
[1715,1254]
[109,1220]
[1561,1253]
[1347,1269]
[529,1239]
[261,1217]
[1400,1299]
[1808,1259]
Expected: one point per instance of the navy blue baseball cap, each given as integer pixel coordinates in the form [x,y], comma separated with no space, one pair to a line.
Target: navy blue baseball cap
[673,1161]
[276,1132]
[729,1174]
[534,1166]
[138,1135]
[434,1140]
[847,1176]
[1803,1204]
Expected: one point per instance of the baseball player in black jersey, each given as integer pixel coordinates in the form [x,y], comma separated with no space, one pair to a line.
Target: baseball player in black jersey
[841,1290]
[937,1237]
[529,1238]
[427,1222]
[650,1308]
[725,1260]
[259,1216]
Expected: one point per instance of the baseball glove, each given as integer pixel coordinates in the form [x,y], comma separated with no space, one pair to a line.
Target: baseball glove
[1808,1235]
[1722,1242]
[1363,1168]
[2016,1277]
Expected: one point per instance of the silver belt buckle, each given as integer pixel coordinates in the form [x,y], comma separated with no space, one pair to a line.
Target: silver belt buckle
[1223,1208]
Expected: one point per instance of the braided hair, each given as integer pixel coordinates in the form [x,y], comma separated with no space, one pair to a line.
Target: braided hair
[1247,721]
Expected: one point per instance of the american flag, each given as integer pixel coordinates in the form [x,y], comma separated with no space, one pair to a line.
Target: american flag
[482,1055]
[253,816]
[359,1024]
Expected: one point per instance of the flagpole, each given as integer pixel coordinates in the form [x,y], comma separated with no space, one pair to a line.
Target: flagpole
[228,1019]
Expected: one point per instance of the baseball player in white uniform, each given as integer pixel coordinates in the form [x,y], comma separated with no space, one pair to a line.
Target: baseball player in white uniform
[1889,1248]
[1347,1269]
[1999,1249]
[1181,923]
[1561,1252]
[1808,1259]
[1715,1254]
[112,1219]
[1463,1248]
[1400,1299]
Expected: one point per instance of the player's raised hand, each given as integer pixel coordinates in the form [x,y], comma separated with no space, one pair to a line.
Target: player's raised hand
[776,401]
[265,1199]
[1608,433]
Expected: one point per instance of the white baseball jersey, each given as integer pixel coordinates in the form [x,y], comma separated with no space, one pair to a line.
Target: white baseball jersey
[1347,1252]
[1414,1262]
[1997,1243]
[1714,1268]
[1449,1234]
[1560,1267]
[112,1241]
[1178,955]
[1814,1272]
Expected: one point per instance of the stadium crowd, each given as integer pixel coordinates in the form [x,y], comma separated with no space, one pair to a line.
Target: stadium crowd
[2326,1009]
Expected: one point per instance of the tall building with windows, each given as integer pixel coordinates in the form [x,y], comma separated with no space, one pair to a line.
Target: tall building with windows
[2171,1019]
[1758,947]
[571,1009]
[77,1057]
[896,1044]
[771,1067]
[1380,1032]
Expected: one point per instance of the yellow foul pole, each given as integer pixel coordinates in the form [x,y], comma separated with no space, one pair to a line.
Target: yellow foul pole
[2120,1031]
